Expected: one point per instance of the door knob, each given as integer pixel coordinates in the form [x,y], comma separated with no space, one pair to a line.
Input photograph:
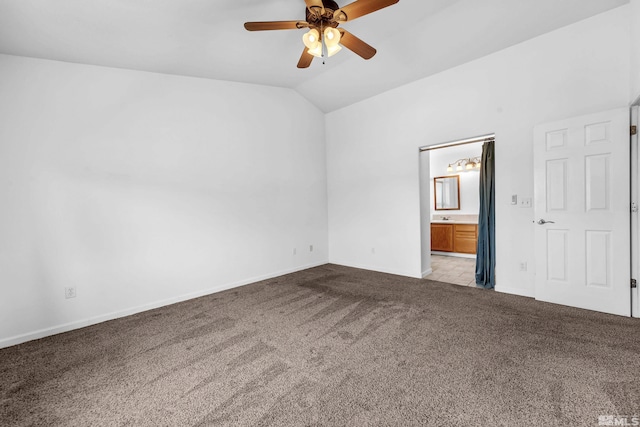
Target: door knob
[543,222]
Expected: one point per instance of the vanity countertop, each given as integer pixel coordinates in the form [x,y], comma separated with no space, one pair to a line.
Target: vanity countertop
[453,218]
[453,221]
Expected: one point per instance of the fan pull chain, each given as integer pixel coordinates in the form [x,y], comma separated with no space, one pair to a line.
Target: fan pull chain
[322,42]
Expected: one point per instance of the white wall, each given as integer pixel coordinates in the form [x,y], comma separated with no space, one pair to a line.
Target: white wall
[373,174]
[141,189]
[469,180]
[635,49]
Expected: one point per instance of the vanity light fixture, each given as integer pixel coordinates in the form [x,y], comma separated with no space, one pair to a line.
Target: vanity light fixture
[469,163]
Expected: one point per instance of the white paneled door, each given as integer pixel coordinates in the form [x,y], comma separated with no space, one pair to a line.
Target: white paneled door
[582,212]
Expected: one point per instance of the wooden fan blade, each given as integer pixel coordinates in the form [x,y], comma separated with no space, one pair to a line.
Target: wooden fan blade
[305,59]
[275,25]
[360,8]
[313,5]
[356,45]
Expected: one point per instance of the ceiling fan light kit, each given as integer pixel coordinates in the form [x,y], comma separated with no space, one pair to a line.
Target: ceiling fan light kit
[311,39]
[314,44]
[332,41]
[322,18]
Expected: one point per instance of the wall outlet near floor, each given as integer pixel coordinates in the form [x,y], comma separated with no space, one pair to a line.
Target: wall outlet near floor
[310,248]
[70,292]
[523,266]
[295,251]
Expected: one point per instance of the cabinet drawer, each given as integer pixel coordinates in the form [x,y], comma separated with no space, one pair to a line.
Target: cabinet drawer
[465,246]
[465,234]
[470,228]
[465,238]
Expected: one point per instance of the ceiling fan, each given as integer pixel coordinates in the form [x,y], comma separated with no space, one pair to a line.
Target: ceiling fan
[322,19]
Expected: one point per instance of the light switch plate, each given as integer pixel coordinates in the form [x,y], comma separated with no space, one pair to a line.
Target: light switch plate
[525,202]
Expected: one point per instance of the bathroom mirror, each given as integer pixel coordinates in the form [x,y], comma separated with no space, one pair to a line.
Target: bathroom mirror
[447,192]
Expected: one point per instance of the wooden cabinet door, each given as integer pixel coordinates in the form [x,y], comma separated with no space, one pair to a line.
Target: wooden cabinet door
[442,237]
[465,238]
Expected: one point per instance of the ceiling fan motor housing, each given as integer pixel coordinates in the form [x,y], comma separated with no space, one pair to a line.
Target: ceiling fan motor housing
[326,19]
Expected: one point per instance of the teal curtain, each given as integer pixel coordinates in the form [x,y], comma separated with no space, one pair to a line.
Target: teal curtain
[486,253]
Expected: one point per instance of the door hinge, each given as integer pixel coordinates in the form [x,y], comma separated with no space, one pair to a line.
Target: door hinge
[634,284]
[634,130]
[634,207]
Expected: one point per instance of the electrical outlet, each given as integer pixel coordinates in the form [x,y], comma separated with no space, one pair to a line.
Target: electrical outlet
[373,251]
[523,266]
[295,251]
[70,292]
[310,248]
[514,199]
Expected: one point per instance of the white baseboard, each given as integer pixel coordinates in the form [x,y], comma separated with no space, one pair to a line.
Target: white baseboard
[379,270]
[515,291]
[427,272]
[42,333]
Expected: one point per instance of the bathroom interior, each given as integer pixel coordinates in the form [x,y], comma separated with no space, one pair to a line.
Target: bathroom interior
[455,203]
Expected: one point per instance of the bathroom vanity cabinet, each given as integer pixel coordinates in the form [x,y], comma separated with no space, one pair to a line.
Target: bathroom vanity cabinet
[454,237]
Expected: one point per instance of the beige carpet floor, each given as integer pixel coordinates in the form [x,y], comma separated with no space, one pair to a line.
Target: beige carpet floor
[332,346]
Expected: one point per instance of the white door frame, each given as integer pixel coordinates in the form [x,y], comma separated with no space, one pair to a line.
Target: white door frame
[635,202]
[425,212]
[425,194]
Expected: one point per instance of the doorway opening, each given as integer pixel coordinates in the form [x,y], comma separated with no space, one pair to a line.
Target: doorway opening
[450,185]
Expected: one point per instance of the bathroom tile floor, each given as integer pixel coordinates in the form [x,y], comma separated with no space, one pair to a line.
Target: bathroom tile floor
[449,269]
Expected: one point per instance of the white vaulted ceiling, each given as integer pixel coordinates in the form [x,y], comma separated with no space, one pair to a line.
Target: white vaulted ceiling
[206,38]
